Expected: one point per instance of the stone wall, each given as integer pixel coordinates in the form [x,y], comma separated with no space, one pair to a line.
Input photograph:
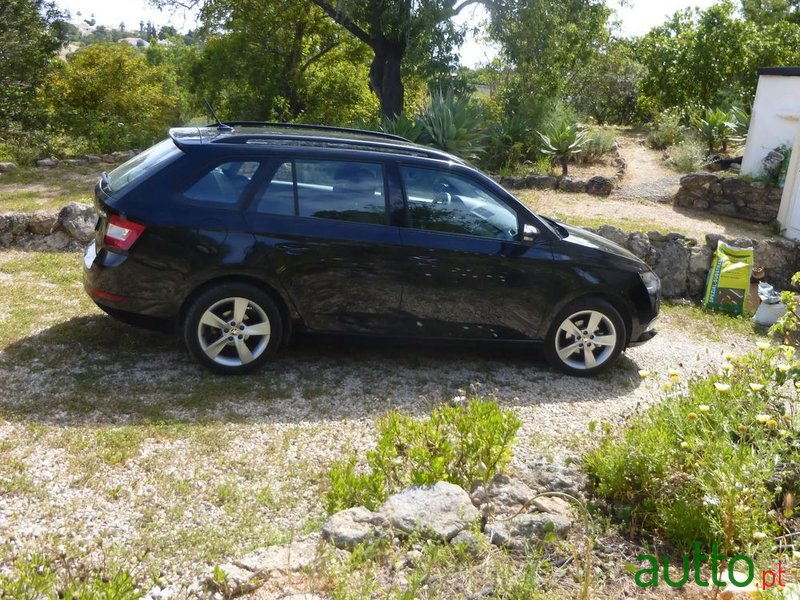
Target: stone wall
[683,263]
[68,229]
[733,196]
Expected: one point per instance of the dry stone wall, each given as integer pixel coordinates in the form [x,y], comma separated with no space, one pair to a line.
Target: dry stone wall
[732,196]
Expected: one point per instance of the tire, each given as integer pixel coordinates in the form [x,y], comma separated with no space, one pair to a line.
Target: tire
[232,328]
[585,338]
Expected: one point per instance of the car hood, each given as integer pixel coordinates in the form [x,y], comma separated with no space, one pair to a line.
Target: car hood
[587,239]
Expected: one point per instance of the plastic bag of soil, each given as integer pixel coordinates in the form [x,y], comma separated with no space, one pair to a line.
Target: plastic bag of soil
[729,279]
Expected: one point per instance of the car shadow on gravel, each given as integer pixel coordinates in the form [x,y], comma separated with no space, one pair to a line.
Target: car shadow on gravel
[93,369]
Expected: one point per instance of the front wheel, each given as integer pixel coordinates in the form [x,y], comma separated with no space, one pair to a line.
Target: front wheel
[232,328]
[585,338]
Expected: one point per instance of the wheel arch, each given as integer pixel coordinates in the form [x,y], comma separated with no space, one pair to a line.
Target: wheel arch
[282,303]
[625,309]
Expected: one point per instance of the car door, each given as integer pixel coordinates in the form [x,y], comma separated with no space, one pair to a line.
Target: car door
[322,226]
[468,273]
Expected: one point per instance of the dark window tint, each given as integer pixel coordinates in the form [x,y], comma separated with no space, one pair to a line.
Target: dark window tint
[441,201]
[224,184]
[347,191]
[141,164]
[277,197]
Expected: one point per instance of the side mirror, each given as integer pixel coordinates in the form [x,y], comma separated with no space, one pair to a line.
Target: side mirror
[529,232]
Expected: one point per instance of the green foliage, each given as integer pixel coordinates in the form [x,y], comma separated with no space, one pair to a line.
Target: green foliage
[404,126]
[606,87]
[687,156]
[667,130]
[563,141]
[770,12]
[546,39]
[453,124]
[688,60]
[714,128]
[598,143]
[111,98]
[464,442]
[30,33]
[36,577]
[740,126]
[703,463]
[788,325]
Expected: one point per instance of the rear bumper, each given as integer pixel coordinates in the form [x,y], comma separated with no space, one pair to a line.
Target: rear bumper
[112,280]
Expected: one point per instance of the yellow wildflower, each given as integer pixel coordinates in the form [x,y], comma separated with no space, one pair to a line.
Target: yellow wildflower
[722,387]
[644,374]
[727,367]
[762,418]
[742,429]
[756,387]
[692,416]
[759,536]
[762,346]
[784,368]
[674,374]
[704,408]
[684,444]
[772,424]
[667,386]
[728,356]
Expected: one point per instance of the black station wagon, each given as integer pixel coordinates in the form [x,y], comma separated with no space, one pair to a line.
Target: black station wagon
[242,233]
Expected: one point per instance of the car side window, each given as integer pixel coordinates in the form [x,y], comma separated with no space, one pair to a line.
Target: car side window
[345,191]
[223,184]
[449,203]
[277,197]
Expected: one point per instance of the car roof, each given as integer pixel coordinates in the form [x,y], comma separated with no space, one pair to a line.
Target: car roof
[303,135]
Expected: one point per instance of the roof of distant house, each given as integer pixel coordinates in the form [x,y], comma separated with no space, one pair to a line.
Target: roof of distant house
[135,41]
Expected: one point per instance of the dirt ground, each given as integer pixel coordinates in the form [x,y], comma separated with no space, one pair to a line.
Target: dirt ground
[641,202]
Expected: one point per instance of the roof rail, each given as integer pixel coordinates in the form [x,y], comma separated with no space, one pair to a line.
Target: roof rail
[380,134]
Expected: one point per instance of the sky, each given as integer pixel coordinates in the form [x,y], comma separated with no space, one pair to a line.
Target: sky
[635,19]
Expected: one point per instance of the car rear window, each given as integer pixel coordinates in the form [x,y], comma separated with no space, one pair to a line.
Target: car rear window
[128,172]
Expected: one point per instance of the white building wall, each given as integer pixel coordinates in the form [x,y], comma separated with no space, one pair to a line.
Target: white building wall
[775,117]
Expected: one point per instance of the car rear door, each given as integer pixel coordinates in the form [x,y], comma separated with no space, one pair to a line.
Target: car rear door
[323,226]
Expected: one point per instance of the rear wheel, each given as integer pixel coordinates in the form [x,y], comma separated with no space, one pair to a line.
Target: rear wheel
[232,328]
[585,338]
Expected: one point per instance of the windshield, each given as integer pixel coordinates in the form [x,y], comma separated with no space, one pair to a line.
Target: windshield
[132,170]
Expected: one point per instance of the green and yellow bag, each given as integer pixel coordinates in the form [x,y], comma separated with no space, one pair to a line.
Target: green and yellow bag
[729,279]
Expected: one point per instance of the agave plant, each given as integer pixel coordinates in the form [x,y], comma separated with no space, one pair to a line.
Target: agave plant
[563,141]
[714,129]
[406,127]
[452,124]
[740,125]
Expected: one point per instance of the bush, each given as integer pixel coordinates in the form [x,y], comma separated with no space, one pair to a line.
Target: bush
[109,96]
[599,143]
[687,156]
[667,130]
[714,128]
[464,442]
[712,461]
[452,124]
[563,141]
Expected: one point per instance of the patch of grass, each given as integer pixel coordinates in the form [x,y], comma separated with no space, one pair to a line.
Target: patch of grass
[715,461]
[30,189]
[710,325]
[627,225]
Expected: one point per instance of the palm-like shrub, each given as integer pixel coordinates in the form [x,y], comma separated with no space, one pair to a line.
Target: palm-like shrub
[411,129]
[740,125]
[452,124]
[714,128]
[563,141]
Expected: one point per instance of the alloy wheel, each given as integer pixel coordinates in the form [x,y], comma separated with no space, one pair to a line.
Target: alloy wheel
[234,331]
[586,339]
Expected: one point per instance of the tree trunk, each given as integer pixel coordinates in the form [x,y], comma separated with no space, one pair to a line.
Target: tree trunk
[385,77]
[564,166]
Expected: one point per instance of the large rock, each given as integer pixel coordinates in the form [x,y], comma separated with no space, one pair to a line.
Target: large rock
[570,184]
[672,267]
[614,234]
[502,495]
[640,245]
[700,258]
[42,223]
[526,530]
[78,220]
[437,511]
[353,526]
[698,181]
[599,186]
[47,162]
[8,167]
[287,558]
[541,182]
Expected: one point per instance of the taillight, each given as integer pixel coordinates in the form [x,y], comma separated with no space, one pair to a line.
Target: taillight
[121,233]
